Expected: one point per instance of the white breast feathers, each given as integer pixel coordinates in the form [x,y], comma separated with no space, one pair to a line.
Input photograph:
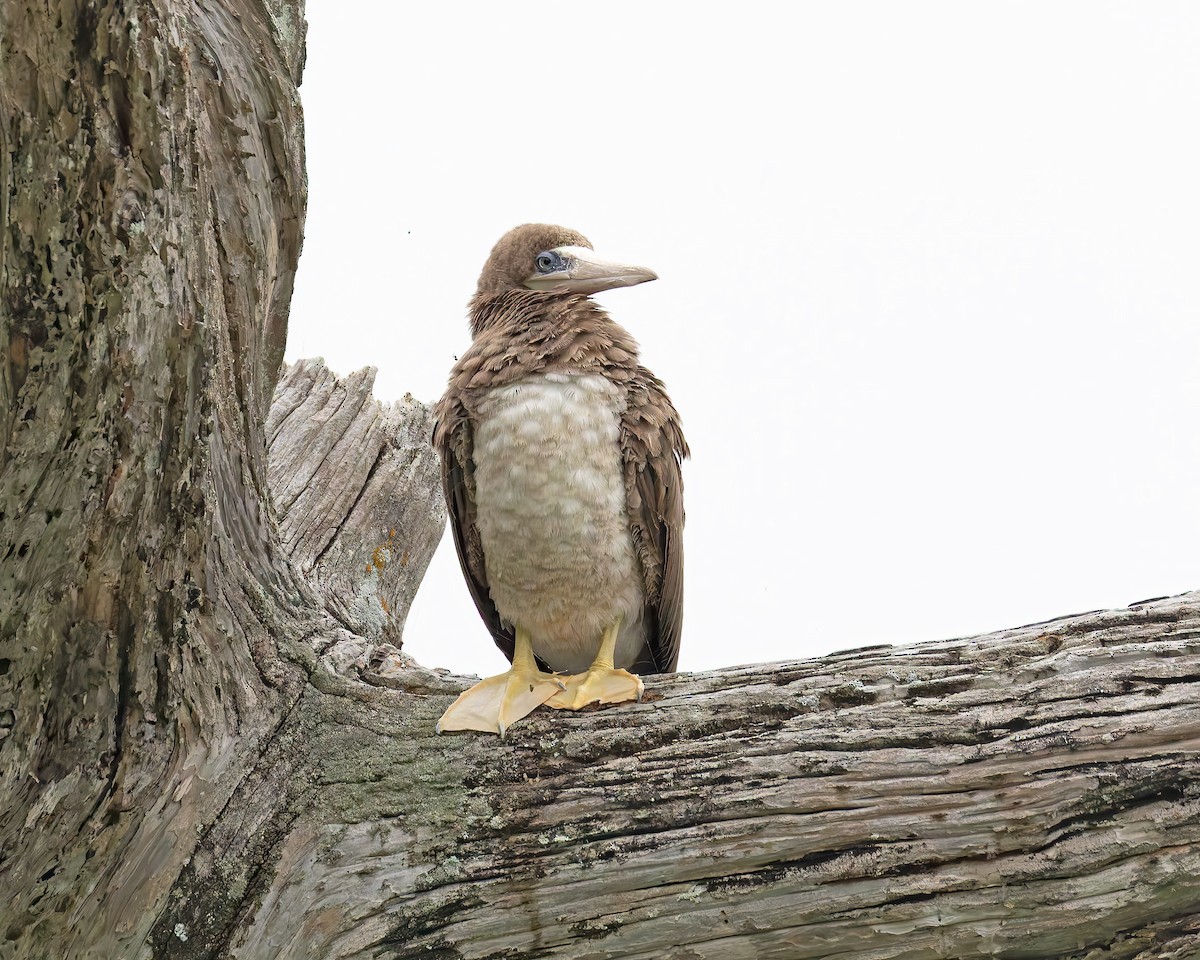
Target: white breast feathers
[553,518]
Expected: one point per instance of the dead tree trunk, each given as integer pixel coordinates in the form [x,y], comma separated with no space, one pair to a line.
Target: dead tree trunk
[211,745]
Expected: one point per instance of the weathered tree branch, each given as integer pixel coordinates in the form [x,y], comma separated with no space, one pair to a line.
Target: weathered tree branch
[214,747]
[153,638]
[357,489]
[1031,793]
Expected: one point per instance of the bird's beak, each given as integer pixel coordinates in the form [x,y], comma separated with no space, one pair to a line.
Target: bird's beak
[584,272]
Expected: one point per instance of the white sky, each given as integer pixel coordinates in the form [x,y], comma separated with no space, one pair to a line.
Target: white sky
[929,300]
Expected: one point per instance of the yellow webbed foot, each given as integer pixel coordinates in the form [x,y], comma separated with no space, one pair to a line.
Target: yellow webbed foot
[601,684]
[495,704]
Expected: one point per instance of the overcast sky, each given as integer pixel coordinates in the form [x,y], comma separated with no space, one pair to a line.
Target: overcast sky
[929,301]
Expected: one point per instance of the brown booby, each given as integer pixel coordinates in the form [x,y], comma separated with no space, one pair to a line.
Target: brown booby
[561,468]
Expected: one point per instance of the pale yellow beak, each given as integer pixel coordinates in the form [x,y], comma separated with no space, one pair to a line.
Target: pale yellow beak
[584,272]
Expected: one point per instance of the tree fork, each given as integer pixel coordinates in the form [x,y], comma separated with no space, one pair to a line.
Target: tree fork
[212,745]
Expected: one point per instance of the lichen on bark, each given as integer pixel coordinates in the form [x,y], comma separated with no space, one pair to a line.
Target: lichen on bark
[212,743]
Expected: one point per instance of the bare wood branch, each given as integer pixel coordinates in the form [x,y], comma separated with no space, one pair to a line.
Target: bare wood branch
[151,639]
[356,486]
[1031,793]
[211,746]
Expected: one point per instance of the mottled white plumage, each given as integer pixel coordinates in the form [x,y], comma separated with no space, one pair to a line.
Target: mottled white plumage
[553,515]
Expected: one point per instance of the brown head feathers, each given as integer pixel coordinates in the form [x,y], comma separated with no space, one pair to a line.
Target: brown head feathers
[513,257]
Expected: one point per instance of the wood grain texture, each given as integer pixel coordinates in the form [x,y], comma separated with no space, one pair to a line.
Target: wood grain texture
[1033,793]
[152,196]
[207,749]
[355,485]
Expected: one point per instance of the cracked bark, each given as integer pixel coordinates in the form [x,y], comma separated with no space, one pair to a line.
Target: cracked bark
[212,745]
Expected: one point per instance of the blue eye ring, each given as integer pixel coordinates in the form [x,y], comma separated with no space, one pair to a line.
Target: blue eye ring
[547,262]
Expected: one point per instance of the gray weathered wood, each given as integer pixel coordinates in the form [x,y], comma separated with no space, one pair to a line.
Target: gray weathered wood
[212,746]
[151,638]
[1034,793]
[357,490]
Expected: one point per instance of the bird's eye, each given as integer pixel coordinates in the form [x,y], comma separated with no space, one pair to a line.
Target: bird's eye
[547,262]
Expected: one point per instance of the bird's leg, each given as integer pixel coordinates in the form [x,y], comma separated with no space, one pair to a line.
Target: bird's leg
[602,683]
[494,704]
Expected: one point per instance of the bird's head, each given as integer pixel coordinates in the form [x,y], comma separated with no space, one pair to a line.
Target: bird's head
[542,257]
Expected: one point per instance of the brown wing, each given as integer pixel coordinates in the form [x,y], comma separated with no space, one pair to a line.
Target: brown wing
[454,438]
[654,446]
